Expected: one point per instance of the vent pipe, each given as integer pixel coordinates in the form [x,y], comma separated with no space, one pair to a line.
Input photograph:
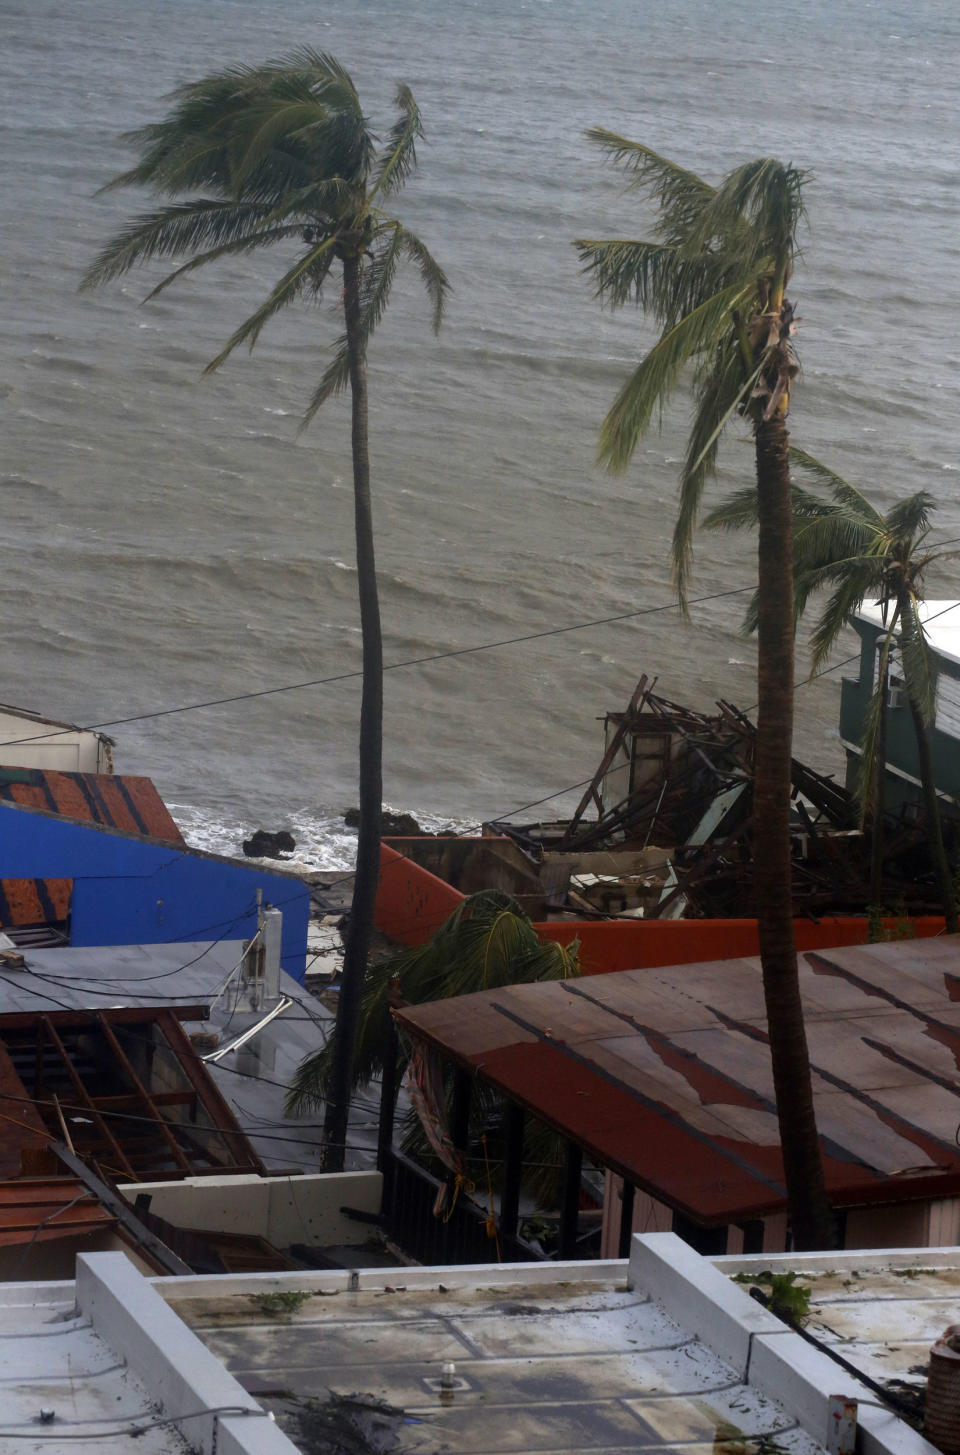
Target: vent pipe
[271,935]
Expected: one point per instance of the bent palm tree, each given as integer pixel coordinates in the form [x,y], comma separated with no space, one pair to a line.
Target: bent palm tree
[279,154]
[845,545]
[714,279]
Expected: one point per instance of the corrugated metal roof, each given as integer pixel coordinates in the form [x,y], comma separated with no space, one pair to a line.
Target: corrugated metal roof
[117,801]
[664,1075]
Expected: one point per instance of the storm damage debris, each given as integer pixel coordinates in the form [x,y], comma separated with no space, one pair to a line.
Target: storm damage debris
[671,805]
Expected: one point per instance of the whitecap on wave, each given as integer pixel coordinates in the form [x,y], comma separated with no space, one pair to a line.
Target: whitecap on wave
[323,840]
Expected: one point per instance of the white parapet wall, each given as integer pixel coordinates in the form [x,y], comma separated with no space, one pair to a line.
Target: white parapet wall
[284,1210]
[764,1351]
[190,1386]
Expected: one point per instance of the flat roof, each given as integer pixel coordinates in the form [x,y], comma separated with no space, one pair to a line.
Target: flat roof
[941,620]
[881,1311]
[559,1366]
[51,1358]
[663,1075]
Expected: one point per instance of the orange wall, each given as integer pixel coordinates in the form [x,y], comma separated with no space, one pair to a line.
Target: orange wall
[412,904]
[635,944]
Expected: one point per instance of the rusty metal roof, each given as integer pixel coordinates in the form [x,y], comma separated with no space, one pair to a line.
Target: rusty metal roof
[43,1209]
[130,804]
[664,1075]
[122,1087]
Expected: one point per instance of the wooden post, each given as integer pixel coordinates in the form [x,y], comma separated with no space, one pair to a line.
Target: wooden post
[460,1110]
[627,1191]
[512,1171]
[570,1208]
[388,1106]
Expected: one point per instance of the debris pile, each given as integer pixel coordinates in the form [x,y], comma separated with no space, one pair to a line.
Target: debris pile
[671,805]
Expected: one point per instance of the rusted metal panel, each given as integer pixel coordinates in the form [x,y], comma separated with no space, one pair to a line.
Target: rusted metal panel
[664,1075]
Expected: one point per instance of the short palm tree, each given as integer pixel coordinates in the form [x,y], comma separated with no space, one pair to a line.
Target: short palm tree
[714,278]
[487,942]
[846,546]
[281,155]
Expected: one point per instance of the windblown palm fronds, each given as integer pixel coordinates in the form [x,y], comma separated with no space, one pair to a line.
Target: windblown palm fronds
[486,942]
[281,155]
[712,279]
[846,547]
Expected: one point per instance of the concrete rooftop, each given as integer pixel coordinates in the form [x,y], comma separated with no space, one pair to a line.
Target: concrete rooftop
[562,1367]
[51,1358]
[881,1312]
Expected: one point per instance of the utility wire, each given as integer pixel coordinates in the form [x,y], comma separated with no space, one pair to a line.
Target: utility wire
[556,631]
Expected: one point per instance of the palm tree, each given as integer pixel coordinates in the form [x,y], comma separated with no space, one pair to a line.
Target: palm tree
[487,942]
[714,279]
[282,154]
[845,545]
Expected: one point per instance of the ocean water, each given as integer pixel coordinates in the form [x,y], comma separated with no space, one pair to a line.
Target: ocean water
[168,540]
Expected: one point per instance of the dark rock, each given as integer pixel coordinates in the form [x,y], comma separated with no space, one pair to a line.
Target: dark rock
[395,825]
[266,845]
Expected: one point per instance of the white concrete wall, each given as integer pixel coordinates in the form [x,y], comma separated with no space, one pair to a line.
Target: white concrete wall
[765,1352]
[283,1210]
[24,743]
[180,1373]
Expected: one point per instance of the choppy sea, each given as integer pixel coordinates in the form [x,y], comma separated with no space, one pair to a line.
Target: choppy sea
[169,540]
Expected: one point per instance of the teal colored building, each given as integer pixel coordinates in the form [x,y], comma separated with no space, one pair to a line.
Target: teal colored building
[941,621]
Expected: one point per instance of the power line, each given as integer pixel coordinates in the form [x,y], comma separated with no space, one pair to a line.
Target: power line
[388,667]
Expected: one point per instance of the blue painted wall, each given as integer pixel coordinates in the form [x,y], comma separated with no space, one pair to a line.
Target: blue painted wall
[130,891]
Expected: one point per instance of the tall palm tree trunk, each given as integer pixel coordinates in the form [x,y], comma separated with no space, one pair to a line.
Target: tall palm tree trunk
[371,745]
[909,623]
[879,794]
[812,1224]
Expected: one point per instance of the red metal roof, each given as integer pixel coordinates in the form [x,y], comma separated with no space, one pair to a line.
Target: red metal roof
[39,1210]
[117,801]
[664,1075]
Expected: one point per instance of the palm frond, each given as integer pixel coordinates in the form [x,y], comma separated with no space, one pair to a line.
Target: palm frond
[273,123]
[656,276]
[722,393]
[843,492]
[379,271]
[399,156]
[434,279]
[737,512]
[909,519]
[846,599]
[658,372]
[681,194]
[322,72]
[306,270]
[487,942]
[335,378]
[173,232]
[757,208]
[242,246]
